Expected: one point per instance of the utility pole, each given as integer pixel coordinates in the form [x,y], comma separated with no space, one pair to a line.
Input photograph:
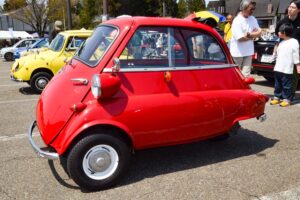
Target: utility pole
[69,15]
[164,9]
[105,11]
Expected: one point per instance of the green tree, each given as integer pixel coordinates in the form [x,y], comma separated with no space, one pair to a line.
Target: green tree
[90,9]
[11,5]
[170,6]
[195,5]
[182,8]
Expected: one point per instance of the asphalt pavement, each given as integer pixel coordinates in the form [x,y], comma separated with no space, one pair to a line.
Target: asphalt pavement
[262,162]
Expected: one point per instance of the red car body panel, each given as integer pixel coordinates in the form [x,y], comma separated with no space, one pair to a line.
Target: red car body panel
[189,106]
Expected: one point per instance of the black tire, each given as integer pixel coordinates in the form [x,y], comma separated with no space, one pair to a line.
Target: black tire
[9,56]
[39,81]
[63,161]
[112,155]
[233,131]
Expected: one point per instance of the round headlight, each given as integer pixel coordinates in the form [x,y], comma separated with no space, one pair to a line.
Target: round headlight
[96,86]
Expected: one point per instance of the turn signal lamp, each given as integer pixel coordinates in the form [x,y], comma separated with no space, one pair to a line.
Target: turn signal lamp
[96,86]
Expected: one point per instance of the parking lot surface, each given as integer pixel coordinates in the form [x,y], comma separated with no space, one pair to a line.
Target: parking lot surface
[261,162]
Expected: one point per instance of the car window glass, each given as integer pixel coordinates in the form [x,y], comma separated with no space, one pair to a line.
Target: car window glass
[160,47]
[57,43]
[204,48]
[152,47]
[95,47]
[22,44]
[74,43]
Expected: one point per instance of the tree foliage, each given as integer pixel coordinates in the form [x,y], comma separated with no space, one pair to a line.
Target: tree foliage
[195,5]
[11,5]
[42,13]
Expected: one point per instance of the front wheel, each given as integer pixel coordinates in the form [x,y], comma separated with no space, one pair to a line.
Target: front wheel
[39,81]
[9,56]
[98,161]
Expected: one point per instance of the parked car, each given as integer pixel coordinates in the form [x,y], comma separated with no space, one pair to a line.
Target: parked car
[263,59]
[113,99]
[41,43]
[8,52]
[37,69]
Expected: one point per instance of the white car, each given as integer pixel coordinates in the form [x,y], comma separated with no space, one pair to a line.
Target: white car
[8,52]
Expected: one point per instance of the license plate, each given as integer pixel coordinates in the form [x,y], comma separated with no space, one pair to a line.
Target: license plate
[267,58]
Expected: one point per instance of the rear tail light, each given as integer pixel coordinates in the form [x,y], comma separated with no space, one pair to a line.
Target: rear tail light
[254,57]
[96,86]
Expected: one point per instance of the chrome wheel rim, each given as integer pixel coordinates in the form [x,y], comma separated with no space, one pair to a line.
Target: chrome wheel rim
[100,162]
[41,83]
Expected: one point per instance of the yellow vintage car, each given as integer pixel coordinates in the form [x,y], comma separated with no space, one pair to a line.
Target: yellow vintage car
[37,69]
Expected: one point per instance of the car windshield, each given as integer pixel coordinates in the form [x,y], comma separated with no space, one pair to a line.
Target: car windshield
[92,51]
[57,43]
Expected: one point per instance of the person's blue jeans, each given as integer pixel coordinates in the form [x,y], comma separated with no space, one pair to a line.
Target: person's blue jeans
[283,86]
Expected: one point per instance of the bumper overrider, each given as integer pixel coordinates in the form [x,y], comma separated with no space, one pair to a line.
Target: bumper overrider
[40,151]
[13,78]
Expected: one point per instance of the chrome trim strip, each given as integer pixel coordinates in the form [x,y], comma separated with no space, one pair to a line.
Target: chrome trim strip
[41,153]
[80,81]
[172,68]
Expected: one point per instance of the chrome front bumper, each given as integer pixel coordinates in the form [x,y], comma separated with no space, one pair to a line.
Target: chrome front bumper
[44,154]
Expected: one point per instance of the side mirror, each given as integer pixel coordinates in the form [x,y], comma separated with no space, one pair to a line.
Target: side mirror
[116,67]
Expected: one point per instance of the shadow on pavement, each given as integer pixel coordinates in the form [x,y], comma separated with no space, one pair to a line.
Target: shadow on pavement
[58,177]
[27,91]
[264,83]
[153,162]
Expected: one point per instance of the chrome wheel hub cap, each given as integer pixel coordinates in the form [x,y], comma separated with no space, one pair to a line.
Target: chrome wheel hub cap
[41,83]
[100,162]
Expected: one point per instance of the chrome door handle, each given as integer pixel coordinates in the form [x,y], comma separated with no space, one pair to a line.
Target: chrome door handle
[80,81]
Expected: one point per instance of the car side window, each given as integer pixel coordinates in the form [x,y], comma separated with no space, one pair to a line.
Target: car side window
[151,47]
[74,43]
[204,47]
[161,47]
[22,44]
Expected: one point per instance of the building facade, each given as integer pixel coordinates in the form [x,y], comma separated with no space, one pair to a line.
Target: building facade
[268,12]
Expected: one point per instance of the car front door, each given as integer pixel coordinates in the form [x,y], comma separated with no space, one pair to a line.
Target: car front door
[169,95]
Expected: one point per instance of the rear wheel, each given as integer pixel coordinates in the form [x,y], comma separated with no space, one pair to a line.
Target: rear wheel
[233,131]
[9,56]
[39,81]
[98,161]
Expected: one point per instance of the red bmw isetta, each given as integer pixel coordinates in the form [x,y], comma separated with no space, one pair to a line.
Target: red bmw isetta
[137,83]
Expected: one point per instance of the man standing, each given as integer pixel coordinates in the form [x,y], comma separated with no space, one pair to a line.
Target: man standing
[227,29]
[244,29]
[57,28]
[293,17]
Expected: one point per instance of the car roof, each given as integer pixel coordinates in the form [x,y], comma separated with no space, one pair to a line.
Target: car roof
[127,21]
[81,32]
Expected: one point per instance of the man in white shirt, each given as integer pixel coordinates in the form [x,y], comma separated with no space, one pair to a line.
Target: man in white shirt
[244,29]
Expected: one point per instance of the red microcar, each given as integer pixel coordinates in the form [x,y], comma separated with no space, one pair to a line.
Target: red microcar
[137,83]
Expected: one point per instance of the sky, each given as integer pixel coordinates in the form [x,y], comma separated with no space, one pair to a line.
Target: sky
[206,1]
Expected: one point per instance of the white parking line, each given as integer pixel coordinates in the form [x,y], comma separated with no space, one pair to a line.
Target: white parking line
[17,101]
[16,137]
